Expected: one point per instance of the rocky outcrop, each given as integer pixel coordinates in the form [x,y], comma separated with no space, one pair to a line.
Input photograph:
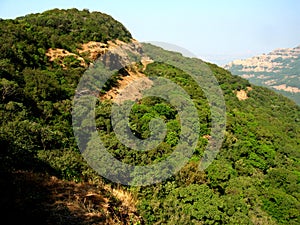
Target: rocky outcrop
[278,70]
[59,55]
[113,53]
[274,62]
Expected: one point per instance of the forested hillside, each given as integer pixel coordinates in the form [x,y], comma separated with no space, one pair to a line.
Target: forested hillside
[43,176]
[255,178]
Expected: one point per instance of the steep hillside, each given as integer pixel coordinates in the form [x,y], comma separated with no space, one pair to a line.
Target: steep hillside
[278,70]
[255,178]
[242,186]
[43,177]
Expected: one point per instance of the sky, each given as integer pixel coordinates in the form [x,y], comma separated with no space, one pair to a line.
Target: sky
[218,31]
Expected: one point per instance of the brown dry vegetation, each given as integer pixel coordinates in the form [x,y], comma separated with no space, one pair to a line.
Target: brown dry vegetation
[35,198]
[60,54]
[129,87]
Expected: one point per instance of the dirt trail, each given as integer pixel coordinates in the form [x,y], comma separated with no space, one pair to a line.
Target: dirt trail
[130,87]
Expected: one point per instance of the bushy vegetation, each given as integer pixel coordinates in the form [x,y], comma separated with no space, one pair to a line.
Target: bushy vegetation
[35,127]
[36,94]
[254,180]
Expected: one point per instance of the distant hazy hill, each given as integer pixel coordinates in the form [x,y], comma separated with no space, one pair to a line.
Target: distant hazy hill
[278,70]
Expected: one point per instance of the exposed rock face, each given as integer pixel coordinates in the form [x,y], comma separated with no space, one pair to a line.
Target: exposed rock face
[60,54]
[117,55]
[130,87]
[114,54]
[272,62]
[278,70]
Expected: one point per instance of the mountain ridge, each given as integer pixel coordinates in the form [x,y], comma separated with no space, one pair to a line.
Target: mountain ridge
[278,70]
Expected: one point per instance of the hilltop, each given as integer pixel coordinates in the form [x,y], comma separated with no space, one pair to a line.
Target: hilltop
[278,70]
[253,180]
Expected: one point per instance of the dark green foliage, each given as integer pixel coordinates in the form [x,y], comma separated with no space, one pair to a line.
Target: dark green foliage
[142,113]
[25,40]
[36,95]
[260,152]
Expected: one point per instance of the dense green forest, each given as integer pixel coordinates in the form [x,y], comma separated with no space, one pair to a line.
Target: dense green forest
[256,174]
[255,178]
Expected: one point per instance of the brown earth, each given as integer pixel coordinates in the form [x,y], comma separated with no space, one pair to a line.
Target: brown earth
[129,87]
[35,198]
[242,94]
[60,54]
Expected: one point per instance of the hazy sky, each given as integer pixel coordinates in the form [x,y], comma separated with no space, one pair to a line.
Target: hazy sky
[215,30]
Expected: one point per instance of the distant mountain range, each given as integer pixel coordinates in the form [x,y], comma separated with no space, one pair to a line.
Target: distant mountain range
[279,70]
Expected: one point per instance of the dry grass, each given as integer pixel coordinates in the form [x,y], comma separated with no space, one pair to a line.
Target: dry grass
[127,199]
[130,87]
[36,198]
[93,50]
[59,55]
